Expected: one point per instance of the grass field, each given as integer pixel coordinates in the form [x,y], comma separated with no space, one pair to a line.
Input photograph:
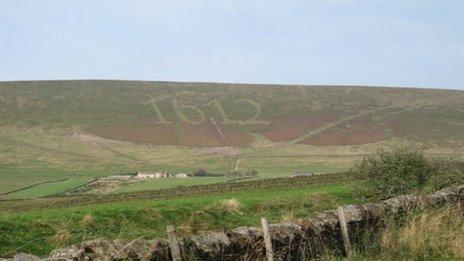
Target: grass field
[46,189]
[169,183]
[41,231]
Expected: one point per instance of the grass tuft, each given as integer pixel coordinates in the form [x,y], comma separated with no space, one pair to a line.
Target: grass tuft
[231,206]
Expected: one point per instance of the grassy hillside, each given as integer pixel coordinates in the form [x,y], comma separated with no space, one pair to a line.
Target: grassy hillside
[85,129]
[124,110]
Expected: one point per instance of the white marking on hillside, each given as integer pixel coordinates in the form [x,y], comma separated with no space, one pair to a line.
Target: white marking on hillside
[218,130]
[236,164]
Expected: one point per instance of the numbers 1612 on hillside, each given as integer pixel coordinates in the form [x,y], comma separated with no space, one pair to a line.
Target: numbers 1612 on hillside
[186,112]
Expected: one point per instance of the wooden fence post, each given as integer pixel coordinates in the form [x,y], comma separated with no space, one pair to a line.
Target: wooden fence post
[267,240]
[344,229]
[174,243]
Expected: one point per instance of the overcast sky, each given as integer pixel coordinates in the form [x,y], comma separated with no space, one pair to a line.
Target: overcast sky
[416,43]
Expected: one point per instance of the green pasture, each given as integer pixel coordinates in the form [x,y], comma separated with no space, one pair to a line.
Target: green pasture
[41,231]
[47,189]
[169,183]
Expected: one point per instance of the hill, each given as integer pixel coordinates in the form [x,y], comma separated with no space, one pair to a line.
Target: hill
[50,130]
[190,113]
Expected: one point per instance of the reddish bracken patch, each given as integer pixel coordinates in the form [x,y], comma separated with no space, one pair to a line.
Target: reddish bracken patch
[394,124]
[358,131]
[288,129]
[207,134]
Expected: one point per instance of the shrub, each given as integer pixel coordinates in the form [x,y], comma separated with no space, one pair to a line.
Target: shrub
[404,170]
[204,173]
[242,174]
[448,172]
[394,172]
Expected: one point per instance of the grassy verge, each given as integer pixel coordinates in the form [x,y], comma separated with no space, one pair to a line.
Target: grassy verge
[41,231]
[433,234]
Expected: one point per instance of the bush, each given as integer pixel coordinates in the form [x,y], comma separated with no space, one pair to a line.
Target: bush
[447,172]
[242,174]
[203,173]
[404,170]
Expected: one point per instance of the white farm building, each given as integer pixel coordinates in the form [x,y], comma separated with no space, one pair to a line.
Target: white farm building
[151,175]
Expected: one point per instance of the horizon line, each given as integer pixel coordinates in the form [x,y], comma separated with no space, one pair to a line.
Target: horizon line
[241,83]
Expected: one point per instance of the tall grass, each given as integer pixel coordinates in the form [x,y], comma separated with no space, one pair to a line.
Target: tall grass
[436,234]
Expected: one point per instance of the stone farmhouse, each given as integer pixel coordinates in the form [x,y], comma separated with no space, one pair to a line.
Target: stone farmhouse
[151,175]
[159,175]
[181,175]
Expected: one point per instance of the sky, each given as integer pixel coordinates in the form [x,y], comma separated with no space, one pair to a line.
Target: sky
[411,43]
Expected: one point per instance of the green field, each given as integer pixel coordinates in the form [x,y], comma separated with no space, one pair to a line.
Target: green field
[49,188]
[169,183]
[41,231]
